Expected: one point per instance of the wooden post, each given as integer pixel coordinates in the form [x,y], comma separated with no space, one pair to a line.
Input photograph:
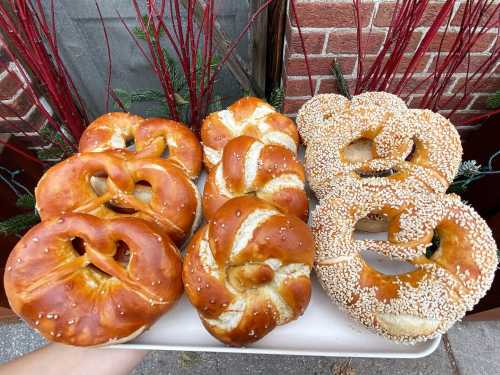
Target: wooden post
[258,45]
[275,37]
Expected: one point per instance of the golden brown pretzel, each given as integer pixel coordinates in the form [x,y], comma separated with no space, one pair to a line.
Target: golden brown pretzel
[151,138]
[249,166]
[91,296]
[373,132]
[248,116]
[247,271]
[416,305]
[151,188]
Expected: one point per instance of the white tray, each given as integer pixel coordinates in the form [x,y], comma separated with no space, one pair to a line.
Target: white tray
[323,330]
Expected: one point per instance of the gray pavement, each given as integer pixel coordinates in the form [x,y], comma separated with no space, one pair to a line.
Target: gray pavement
[470,348]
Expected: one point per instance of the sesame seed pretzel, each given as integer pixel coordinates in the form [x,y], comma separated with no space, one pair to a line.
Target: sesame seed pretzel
[112,183]
[247,271]
[419,304]
[151,137]
[250,166]
[373,134]
[248,116]
[95,296]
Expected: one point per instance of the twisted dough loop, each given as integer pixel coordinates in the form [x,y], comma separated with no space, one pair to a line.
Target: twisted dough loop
[248,270]
[172,200]
[151,138]
[249,166]
[248,116]
[91,299]
[417,305]
[376,131]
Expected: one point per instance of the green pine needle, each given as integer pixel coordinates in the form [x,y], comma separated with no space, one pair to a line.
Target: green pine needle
[276,98]
[17,224]
[26,201]
[139,34]
[341,82]
[493,101]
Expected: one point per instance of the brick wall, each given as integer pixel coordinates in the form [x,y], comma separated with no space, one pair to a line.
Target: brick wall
[329,32]
[19,116]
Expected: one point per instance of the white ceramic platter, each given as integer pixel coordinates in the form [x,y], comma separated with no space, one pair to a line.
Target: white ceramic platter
[323,330]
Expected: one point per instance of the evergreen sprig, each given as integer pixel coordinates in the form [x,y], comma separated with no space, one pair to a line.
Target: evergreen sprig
[493,101]
[19,223]
[26,201]
[341,82]
[276,98]
[470,171]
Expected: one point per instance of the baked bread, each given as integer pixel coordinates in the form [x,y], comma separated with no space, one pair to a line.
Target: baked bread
[248,116]
[411,306]
[112,183]
[375,135]
[107,288]
[247,270]
[151,137]
[249,166]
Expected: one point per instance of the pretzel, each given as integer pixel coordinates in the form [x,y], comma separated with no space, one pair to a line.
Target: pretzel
[366,139]
[248,116]
[169,198]
[98,294]
[247,270]
[249,166]
[419,304]
[151,138]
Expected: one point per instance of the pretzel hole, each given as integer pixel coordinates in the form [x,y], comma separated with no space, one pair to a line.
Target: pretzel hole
[386,265]
[434,246]
[358,150]
[413,151]
[122,254]
[78,245]
[111,205]
[382,173]
[143,191]
[98,182]
[373,222]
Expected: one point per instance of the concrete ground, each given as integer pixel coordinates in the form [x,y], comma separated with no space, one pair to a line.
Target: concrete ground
[469,348]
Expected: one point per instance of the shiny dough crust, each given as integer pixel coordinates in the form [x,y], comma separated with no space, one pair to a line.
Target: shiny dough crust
[250,166]
[151,138]
[89,182]
[247,116]
[247,270]
[91,299]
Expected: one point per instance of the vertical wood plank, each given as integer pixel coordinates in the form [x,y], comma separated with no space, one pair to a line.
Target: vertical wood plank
[258,45]
[275,38]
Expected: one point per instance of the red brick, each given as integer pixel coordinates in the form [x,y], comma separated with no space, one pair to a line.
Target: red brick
[385,11]
[483,43]
[474,63]
[328,86]
[9,86]
[292,105]
[32,140]
[19,107]
[403,64]
[321,14]
[480,102]
[415,85]
[412,43]
[452,101]
[312,41]
[30,124]
[485,16]
[460,117]
[298,87]
[415,101]
[488,85]
[340,42]
[319,65]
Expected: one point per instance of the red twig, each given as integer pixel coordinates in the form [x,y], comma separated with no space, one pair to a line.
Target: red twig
[306,60]
[21,152]
[106,39]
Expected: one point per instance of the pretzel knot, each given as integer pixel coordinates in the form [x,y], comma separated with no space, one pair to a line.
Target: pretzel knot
[111,184]
[93,295]
[248,270]
[411,306]
[250,166]
[372,132]
[248,116]
[151,137]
